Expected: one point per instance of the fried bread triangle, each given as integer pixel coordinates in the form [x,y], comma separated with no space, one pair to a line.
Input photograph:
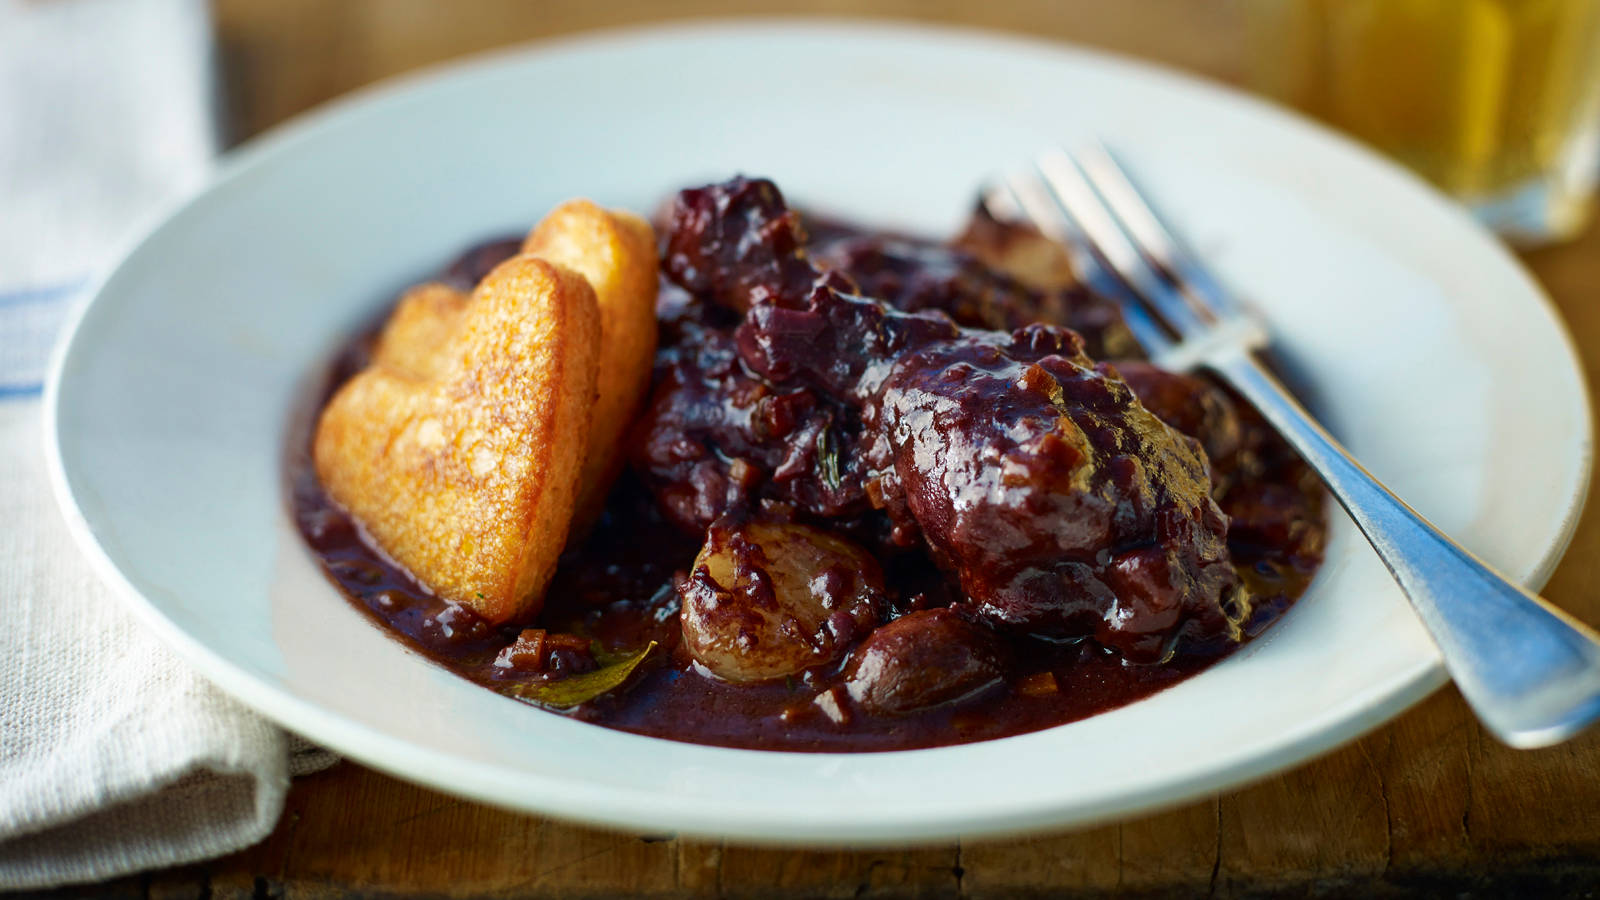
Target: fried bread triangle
[459,449]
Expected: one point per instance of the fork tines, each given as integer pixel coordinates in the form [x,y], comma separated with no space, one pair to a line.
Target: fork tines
[1086,202]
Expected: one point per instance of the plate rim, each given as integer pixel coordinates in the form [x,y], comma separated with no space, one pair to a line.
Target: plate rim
[396,756]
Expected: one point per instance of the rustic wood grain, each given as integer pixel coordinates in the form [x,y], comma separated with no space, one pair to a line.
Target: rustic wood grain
[286,55]
[1428,805]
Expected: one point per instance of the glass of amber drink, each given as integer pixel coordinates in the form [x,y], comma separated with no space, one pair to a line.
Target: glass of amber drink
[1497,102]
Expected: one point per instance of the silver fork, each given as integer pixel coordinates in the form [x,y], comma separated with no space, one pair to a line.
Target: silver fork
[1530,671]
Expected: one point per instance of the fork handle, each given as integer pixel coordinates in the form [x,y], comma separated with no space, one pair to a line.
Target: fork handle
[1530,671]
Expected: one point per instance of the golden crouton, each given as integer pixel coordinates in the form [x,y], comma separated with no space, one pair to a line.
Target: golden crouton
[422,321]
[616,252]
[459,448]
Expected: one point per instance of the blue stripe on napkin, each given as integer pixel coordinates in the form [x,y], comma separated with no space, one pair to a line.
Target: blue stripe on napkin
[30,321]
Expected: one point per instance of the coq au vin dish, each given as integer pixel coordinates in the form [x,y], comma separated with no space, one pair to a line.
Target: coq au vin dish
[761,479]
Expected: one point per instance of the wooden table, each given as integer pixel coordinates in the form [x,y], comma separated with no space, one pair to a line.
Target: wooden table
[1429,804]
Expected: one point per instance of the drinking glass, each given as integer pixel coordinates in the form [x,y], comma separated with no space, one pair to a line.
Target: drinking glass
[1495,101]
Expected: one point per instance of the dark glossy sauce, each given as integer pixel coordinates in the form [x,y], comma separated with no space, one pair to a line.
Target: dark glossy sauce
[618,589]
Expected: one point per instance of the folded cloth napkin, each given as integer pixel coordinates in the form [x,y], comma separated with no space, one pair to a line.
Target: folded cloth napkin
[114,756]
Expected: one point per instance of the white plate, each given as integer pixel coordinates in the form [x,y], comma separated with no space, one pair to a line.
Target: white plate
[1428,348]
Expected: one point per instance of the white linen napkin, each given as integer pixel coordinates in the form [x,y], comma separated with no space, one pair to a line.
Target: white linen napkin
[114,756]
